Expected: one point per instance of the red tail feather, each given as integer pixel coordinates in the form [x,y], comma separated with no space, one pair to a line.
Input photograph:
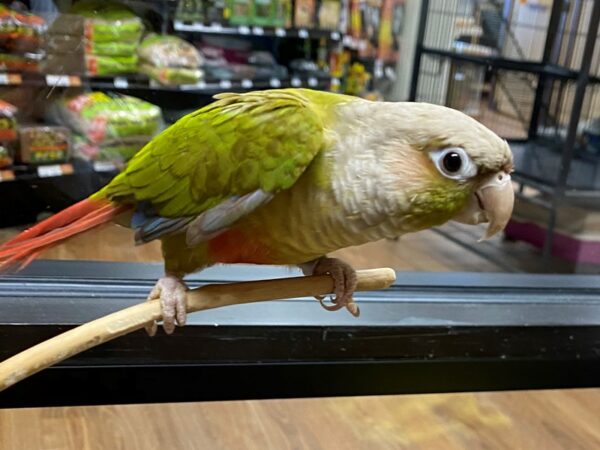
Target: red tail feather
[85,215]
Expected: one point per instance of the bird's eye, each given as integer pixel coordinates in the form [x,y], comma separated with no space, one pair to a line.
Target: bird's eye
[453,163]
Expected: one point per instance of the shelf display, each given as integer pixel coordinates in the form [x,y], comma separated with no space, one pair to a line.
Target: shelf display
[109,75]
[392,17]
[233,58]
[330,14]
[213,10]
[304,13]
[264,12]
[20,32]
[240,12]
[8,133]
[170,60]
[357,80]
[8,123]
[106,127]
[21,36]
[190,11]
[112,33]
[44,144]
[64,46]
[6,155]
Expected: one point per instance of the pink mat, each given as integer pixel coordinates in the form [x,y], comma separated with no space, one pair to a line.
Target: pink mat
[563,246]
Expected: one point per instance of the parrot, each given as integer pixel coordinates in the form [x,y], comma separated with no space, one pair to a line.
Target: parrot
[285,177]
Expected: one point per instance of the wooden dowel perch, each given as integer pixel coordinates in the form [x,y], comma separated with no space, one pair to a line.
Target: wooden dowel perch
[117,324]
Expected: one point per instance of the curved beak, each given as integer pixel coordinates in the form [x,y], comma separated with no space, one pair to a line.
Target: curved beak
[492,202]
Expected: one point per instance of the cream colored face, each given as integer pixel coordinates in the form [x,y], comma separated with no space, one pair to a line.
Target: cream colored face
[493,196]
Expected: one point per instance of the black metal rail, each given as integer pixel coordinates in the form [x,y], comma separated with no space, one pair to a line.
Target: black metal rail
[430,332]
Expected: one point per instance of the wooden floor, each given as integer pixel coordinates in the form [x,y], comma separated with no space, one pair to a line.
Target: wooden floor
[548,420]
[423,251]
[562,419]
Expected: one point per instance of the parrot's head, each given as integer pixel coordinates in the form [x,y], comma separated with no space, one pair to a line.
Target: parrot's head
[463,168]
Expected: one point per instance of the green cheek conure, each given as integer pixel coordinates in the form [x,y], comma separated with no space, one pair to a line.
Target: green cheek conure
[285,177]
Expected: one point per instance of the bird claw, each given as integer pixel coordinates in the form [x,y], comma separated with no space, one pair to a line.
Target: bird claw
[172,293]
[345,282]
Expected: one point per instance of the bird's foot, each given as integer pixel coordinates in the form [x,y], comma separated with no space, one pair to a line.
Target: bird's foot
[345,281]
[172,293]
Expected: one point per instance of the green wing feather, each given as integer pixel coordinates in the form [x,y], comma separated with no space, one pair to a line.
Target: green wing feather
[236,145]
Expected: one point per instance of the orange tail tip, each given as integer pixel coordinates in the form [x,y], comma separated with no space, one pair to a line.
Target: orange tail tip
[19,251]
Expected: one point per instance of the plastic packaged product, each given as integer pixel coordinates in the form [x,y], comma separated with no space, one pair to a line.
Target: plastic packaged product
[172,75]
[264,12]
[20,32]
[189,11]
[19,63]
[283,13]
[6,155]
[44,144]
[215,10]
[392,17]
[8,123]
[356,19]
[357,80]
[64,43]
[371,27]
[110,65]
[116,48]
[59,63]
[100,117]
[107,21]
[329,14]
[67,24]
[168,51]
[119,151]
[240,12]
[304,13]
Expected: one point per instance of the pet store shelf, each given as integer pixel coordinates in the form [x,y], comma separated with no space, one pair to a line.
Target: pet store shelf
[138,82]
[253,30]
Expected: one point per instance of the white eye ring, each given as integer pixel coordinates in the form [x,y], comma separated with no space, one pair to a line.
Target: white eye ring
[453,163]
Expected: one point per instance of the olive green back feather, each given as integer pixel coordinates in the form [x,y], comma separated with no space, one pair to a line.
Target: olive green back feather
[236,145]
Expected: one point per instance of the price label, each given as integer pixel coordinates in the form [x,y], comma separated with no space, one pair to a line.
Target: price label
[225,84]
[200,85]
[275,82]
[104,166]
[335,81]
[296,82]
[258,31]
[6,175]
[121,83]
[10,78]
[49,171]
[247,84]
[63,80]
[280,32]
[335,36]
[216,26]
[54,170]
[303,33]
[313,82]
[244,29]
